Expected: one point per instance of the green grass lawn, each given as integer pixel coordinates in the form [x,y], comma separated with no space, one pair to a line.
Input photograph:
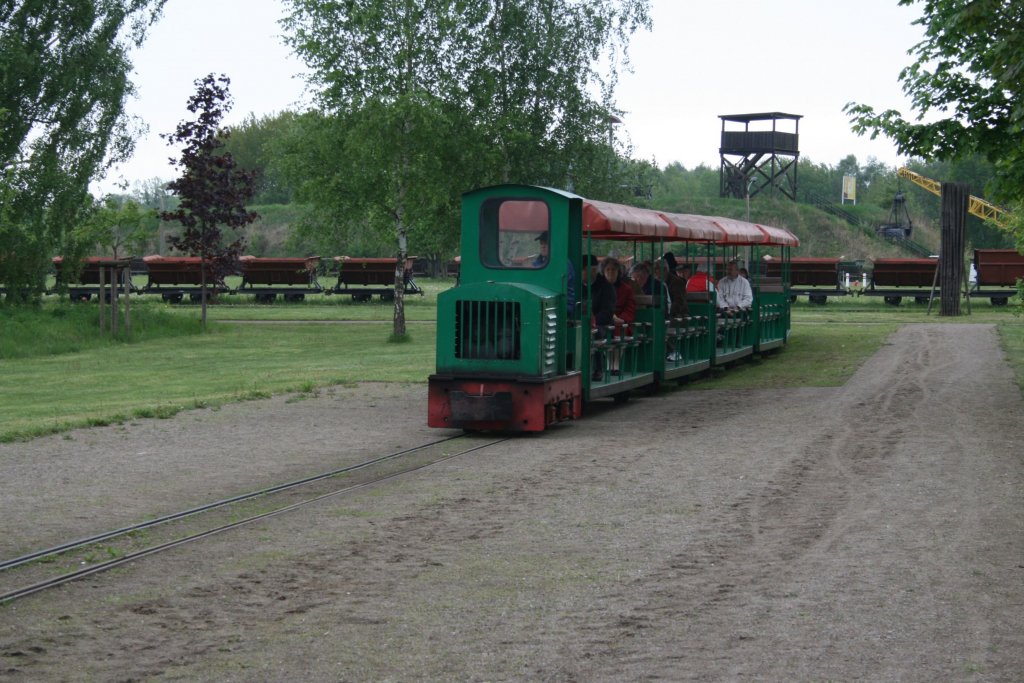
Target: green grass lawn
[58,373]
[52,393]
[817,355]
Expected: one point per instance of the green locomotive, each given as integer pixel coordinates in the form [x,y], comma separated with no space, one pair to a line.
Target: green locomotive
[517,347]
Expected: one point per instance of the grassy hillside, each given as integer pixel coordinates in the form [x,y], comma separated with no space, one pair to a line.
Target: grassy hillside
[820,234]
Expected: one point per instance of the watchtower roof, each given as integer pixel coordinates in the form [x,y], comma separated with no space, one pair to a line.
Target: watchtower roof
[763,116]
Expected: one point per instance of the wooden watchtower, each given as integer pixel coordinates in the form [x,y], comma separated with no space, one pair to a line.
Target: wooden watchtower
[761,159]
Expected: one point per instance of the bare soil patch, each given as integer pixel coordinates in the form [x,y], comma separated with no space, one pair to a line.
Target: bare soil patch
[90,480]
[869,532]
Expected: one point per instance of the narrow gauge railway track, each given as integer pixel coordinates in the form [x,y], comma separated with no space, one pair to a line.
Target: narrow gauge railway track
[92,569]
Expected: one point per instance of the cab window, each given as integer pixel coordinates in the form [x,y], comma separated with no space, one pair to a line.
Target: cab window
[515,233]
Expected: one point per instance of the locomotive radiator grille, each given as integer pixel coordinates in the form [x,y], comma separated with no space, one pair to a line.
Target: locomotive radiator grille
[550,357]
[487,330]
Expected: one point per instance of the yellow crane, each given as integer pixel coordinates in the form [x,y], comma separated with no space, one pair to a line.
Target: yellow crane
[976,206]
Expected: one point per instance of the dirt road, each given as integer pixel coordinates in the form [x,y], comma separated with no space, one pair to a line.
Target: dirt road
[870,532]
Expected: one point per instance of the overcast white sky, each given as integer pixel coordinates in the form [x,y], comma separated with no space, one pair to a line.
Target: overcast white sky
[702,59]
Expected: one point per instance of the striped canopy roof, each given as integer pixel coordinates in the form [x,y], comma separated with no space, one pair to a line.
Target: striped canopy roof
[604,220]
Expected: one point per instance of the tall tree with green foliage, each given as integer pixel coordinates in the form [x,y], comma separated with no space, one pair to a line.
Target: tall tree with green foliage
[388,72]
[423,99]
[968,74]
[118,224]
[252,144]
[212,189]
[63,86]
[541,83]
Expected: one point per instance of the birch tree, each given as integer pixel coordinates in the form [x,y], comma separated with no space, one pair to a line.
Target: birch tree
[388,72]
[424,99]
[542,86]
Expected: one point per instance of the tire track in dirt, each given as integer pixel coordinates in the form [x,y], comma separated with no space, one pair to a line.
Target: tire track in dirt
[764,535]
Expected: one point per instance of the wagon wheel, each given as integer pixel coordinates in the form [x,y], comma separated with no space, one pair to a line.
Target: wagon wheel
[999,300]
[819,299]
[621,397]
[893,300]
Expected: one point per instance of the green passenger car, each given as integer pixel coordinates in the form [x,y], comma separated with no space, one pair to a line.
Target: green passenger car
[517,349]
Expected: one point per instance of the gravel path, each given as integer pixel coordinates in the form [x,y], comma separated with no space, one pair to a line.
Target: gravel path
[90,480]
[870,532]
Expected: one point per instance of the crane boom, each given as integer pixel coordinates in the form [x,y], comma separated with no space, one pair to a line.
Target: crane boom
[976,206]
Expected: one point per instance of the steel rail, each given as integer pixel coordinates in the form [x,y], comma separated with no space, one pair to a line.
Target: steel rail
[71,545]
[117,562]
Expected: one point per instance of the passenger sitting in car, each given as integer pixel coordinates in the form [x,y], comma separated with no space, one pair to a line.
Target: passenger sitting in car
[685,272]
[602,296]
[625,307]
[625,301]
[701,281]
[664,269]
[734,293]
[650,286]
[639,275]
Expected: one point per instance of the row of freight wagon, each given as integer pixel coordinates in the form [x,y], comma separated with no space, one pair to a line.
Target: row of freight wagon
[994,275]
[175,277]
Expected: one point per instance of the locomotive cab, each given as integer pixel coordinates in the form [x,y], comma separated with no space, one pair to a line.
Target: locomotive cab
[502,357]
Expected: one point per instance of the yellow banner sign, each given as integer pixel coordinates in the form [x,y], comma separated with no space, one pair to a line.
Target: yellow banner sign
[849,189]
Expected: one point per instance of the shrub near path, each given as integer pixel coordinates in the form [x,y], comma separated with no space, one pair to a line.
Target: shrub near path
[69,328]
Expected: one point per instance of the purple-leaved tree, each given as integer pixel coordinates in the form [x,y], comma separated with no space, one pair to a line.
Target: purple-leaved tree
[212,190]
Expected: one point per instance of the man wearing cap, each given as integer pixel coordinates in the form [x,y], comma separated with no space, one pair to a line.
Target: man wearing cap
[543,245]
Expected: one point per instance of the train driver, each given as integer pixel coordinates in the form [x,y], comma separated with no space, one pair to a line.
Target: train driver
[734,293]
[544,247]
